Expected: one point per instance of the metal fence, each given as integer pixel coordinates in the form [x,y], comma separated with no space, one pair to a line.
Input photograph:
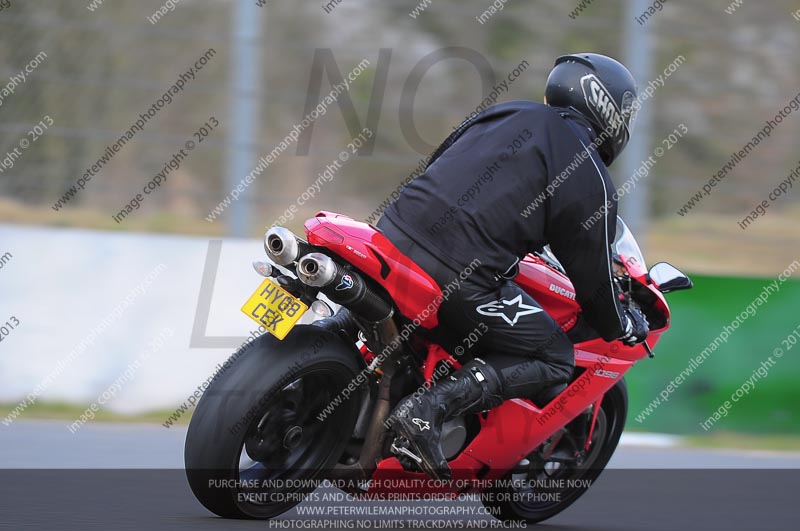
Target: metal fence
[101,65]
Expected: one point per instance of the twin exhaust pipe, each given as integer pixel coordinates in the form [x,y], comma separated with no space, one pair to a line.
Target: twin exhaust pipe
[318,270]
[281,246]
[285,249]
[341,286]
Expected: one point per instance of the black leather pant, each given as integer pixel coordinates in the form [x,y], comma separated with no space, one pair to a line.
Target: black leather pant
[520,340]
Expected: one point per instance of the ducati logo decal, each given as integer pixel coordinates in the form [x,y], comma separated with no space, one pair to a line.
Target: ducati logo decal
[511,310]
[562,291]
[346,283]
[421,424]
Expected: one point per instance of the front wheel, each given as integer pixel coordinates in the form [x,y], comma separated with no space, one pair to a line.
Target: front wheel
[546,486]
[272,424]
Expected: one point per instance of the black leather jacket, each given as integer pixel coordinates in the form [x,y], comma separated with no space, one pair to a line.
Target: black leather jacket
[514,178]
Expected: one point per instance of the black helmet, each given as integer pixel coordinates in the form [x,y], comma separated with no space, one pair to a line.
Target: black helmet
[602,90]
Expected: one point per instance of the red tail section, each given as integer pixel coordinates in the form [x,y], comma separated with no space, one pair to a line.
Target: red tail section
[416,294]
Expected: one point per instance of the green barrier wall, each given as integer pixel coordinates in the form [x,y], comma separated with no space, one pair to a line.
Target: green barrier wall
[699,317]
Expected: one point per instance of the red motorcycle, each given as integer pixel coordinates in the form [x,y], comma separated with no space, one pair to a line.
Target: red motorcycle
[308,403]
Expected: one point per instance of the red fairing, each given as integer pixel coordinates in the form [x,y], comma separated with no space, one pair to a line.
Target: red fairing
[416,294]
[514,429]
[511,431]
[437,354]
[552,290]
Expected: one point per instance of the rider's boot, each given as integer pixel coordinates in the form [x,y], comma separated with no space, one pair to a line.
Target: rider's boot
[473,388]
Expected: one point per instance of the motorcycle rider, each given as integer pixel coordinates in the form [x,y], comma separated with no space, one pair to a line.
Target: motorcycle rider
[506,182]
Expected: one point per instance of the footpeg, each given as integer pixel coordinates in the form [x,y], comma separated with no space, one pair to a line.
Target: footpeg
[403,451]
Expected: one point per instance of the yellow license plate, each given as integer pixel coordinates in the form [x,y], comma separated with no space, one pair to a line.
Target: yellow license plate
[274,308]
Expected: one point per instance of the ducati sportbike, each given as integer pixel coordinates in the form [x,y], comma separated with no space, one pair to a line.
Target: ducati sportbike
[306,403]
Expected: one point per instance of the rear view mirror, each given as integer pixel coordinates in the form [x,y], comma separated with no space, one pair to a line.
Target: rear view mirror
[668,278]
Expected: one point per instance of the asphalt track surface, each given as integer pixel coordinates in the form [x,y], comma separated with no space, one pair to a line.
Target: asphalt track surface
[52,479]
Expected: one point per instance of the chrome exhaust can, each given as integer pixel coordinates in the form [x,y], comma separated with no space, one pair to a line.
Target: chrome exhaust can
[282,246]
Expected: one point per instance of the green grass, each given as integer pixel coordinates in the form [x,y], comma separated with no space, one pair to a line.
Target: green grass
[745,441]
[70,412]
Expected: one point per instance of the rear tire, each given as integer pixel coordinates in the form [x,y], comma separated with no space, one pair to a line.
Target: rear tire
[610,423]
[258,421]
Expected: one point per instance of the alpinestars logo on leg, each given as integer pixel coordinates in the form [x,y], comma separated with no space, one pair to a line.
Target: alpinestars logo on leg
[511,310]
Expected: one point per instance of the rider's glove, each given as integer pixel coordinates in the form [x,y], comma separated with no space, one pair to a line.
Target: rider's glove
[636,327]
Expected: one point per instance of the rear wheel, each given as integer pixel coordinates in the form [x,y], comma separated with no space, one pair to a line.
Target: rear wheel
[269,428]
[551,479]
